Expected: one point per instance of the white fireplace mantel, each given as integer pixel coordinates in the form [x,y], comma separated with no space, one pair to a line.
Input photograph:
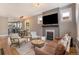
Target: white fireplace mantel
[50,31]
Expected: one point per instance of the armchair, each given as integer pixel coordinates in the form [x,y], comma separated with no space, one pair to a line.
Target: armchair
[16,39]
[34,35]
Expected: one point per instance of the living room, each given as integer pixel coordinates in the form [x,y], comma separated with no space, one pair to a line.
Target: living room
[37,29]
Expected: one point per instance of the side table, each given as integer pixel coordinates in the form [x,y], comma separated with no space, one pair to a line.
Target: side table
[28,38]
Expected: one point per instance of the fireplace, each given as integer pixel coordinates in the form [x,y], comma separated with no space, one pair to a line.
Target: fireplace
[50,34]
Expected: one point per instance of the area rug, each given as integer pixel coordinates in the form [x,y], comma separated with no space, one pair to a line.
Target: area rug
[26,49]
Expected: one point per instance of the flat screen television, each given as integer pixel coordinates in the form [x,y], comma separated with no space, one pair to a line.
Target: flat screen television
[50,19]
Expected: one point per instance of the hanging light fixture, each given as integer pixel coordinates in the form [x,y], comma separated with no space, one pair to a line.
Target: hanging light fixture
[36,4]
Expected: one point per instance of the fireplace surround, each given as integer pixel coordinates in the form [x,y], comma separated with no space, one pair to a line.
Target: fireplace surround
[50,34]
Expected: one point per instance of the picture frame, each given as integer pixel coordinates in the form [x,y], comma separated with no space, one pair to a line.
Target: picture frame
[66,15]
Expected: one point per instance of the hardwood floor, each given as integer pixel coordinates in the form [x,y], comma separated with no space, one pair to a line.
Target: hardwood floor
[12,51]
[7,50]
[72,51]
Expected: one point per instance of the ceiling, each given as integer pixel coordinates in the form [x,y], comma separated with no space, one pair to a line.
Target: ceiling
[26,9]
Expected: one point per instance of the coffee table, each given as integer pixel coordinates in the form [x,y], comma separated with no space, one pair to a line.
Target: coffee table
[38,43]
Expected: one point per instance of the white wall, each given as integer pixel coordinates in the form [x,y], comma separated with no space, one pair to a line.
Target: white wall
[3,26]
[77,20]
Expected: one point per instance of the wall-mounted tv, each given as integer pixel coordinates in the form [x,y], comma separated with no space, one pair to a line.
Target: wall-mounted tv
[50,19]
